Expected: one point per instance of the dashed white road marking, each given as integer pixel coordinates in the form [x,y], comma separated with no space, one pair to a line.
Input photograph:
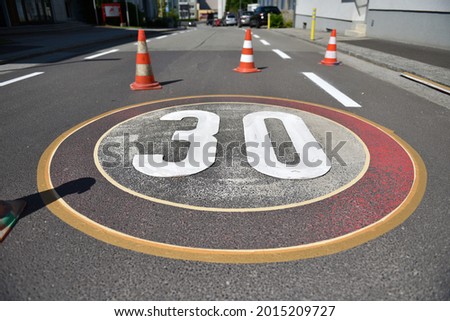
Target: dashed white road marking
[281,54]
[147,41]
[173,34]
[20,78]
[101,54]
[256,36]
[12,67]
[337,94]
[265,43]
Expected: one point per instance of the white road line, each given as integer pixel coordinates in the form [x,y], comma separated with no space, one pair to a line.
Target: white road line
[20,78]
[147,41]
[281,54]
[256,36]
[265,43]
[101,54]
[161,37]
[338,95]
[12,67]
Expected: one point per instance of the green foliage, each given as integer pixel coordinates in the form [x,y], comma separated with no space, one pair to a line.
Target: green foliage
[233,5]
[276,21]
[169,20]
[173,15]
[289,24]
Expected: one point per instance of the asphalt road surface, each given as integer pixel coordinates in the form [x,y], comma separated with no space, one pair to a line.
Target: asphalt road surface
[49,256]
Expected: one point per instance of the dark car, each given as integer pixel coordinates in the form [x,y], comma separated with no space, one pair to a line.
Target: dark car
[259,16]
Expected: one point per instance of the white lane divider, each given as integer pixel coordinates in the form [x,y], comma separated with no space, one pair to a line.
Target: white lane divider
[147,41]
[265,43]
[20,78]
[172,34]
[335,93]
[256,36]
[101,54]
[281,54]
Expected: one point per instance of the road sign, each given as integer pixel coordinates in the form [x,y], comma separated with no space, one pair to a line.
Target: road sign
[236,179]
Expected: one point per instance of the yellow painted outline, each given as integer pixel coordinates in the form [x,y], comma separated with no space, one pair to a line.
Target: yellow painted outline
[221,209]
[75,219]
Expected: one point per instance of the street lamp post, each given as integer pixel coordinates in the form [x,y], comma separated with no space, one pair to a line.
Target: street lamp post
[128,16]
[95,11]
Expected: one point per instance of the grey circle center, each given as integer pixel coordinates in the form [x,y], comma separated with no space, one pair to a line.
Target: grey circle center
[230,182]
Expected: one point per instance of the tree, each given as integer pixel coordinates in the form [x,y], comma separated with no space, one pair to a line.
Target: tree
[233,5]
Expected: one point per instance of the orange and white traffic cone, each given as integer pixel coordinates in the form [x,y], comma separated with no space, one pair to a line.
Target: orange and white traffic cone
[144,74]
[330,55]
[247,65]
[9,214]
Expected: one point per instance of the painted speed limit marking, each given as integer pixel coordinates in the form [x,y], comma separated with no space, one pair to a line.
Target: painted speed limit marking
[234,179]
[232,155]
[203,147]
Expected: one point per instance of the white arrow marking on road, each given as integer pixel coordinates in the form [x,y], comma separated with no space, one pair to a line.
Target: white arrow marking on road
[20,78]
[101,54]
[265,43]
[281,54]
[338,95]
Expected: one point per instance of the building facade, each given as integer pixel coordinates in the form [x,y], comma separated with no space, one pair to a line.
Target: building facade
[187,9]
[206,7]
[411,21]
[26,12]
[283,5]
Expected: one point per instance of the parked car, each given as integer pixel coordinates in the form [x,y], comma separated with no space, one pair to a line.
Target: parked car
[259,16]
[244,18]
[229,20]
[187,23]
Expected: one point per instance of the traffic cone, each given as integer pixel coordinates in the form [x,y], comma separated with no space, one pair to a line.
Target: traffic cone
[144,74]
[330,55]
[247,65]
[9,214]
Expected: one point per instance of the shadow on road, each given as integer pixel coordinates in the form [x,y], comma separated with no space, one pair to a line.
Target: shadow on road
[53,47]
[39,200]
[163,83]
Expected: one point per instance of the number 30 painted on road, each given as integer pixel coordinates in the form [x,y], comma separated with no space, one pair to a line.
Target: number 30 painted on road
[203,147]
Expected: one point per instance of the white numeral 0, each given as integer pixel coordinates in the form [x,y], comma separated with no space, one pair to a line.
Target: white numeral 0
[202,140]
[313,161]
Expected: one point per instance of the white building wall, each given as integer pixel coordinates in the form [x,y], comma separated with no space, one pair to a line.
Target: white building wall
[423,22]
[330,14]
[331,9]
[411,5]
[411,21]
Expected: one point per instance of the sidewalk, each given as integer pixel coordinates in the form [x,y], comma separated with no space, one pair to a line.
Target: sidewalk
[434,64]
